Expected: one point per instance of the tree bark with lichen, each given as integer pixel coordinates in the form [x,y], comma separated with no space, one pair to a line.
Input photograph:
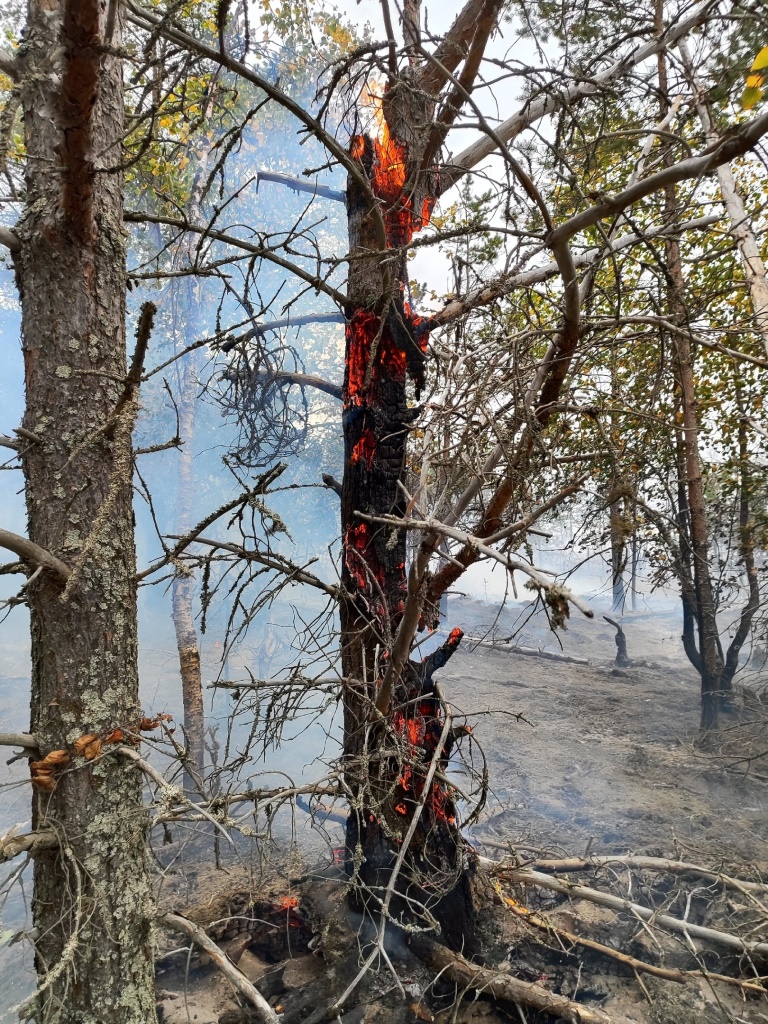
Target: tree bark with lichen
[92,903]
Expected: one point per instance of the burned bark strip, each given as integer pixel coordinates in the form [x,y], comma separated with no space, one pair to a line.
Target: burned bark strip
[386,763]
[92,904]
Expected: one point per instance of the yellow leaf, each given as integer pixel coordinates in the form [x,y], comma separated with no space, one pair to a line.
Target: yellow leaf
[761,60]
[751,97]
[755,81]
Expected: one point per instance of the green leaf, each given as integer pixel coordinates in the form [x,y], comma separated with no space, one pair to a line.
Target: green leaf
[751,97]
[761,60]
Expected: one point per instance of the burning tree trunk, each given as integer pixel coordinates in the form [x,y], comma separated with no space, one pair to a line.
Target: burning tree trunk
[388,749]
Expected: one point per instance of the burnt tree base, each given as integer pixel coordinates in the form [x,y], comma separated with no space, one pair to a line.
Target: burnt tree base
[439,856]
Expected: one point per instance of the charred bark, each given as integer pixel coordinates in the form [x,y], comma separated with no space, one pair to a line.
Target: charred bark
[387,755]
[92,904]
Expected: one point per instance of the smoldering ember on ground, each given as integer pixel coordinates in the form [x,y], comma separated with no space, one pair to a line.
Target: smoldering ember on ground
[382,410]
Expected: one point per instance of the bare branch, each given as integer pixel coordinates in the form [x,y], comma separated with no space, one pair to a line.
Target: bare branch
[506,283]
[307,380]
[728,148]
[33,553]
[512,564]
[10,239]
[225,965]
[11,844]
[300,185]
[25,740]
[604,899]
[548,102]
[263,252]
[9,66]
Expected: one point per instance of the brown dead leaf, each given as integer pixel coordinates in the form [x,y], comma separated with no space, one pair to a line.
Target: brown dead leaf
[42,771]
[88,747]
[116,736]
[46,782]
[55,759]
[147,724]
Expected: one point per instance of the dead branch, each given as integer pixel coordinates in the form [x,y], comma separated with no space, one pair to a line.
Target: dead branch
[529,652]
[544,924]
[677,867]
[512,564]
[25,740]
[505,283]
[172,794]
[271,561]
[622,657]
[669,974]
[33,553]
[263,252]
[232,973]
[300,185]
[11,844]
[603,899]
[9,442]
[504,987]
[10,239]
[309,380]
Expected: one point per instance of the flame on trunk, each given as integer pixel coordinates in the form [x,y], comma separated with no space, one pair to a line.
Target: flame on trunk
[381,352]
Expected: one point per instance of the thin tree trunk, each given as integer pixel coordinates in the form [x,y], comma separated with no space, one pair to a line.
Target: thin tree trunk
[92,903]
[747,550]
[183,590]
[740,223]
[711,661]
[618,556]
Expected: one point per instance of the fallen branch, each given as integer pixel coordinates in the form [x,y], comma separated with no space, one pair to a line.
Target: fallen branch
[11,845]
[544,924]
[677,867]
[529,652]
[604,899]
[232,973]
[669,974]
[33,553]
[505,987]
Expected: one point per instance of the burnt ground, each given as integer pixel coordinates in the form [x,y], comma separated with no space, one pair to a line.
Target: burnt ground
[602,762]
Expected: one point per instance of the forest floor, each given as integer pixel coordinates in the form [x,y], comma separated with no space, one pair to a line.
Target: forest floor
[602,762]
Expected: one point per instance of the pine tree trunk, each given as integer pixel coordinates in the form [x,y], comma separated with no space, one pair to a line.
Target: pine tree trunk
[92,903]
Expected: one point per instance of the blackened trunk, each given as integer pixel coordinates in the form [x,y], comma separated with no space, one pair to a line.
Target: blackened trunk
[387,757]
[92,902]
